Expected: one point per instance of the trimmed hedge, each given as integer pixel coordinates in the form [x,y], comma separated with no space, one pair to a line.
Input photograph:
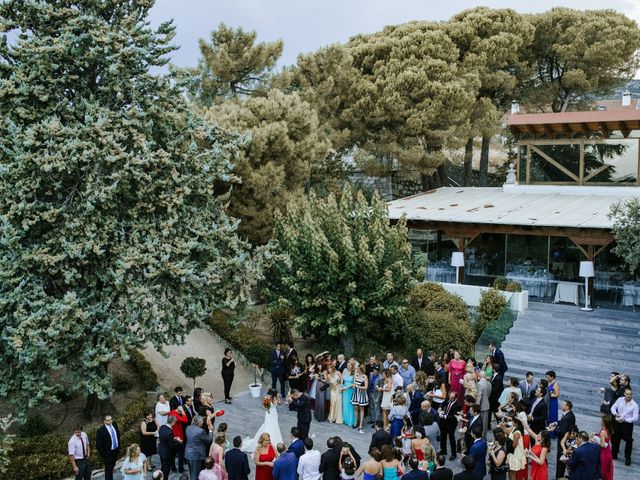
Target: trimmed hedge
[438,331]
[255,349]
[432,296]
[492,303]
[146,374]
[41,466]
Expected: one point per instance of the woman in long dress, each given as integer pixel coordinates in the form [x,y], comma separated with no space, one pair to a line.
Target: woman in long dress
[335,408]
[457,369]
[217,453]
[517,460]
[538,455]
[264,456]
[606,457]
[269,426]
[387,396]
[309,373]
[321,384]
[348,412]
[554,394]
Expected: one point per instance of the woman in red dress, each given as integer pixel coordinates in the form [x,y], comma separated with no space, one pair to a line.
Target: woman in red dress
[264,456]
[538,455]
[457,369]
[606,458]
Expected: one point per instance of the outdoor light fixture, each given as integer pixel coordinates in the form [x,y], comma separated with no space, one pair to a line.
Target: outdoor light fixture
[586,271]
[457,261]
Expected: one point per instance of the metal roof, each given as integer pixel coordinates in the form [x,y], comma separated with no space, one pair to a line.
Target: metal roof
[522,205]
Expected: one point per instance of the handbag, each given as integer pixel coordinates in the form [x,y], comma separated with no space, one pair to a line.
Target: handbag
[324,387]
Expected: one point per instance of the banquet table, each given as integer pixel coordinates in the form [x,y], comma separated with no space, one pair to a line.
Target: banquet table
[536,286]
[441,274]
[569,292]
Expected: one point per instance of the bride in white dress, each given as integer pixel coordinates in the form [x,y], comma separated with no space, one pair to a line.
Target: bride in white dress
[270,425]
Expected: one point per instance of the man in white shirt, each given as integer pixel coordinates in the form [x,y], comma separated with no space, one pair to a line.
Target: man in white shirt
[162,410]
[527,386]
[625,411]
[79,452]
[309,463]
[396,378]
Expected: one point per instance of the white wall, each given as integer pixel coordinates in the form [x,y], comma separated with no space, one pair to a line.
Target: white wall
[470,294]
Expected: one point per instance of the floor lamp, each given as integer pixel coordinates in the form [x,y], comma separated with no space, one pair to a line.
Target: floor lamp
[457,261]
[586,271]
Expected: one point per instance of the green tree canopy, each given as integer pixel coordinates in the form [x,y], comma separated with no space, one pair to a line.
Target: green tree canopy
[410,98]
[286,143]
[577,53]
[112,198]
[341,268]
[233,65]
[626,230]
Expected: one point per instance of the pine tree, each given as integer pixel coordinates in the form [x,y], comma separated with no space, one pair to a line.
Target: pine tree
[112,198]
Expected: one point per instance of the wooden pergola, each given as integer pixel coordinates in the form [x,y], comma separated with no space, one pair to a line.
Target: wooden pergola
[572,128]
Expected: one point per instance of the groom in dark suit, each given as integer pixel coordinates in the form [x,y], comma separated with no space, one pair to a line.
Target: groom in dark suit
[277,367]
[299,402]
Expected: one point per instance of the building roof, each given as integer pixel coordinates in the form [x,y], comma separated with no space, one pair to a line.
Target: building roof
[520,205]
[551,124]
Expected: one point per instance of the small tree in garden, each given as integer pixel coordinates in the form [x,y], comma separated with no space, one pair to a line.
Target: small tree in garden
[492,303]
[193,367]
[626,230]
[341,267]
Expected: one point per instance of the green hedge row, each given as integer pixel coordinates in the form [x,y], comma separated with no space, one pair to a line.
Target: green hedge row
[254,348]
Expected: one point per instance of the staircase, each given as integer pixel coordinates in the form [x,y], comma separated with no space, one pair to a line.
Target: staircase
[583,348]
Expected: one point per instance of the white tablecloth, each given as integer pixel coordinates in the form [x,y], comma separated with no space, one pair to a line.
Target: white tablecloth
[570,292]
[536,286]
[441,274]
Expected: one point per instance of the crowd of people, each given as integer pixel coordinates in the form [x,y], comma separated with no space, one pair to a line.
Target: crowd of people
[423,412]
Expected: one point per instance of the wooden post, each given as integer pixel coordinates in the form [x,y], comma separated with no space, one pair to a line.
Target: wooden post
[528,172]
[581,167]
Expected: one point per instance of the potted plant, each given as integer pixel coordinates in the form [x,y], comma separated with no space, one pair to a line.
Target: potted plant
[256,388]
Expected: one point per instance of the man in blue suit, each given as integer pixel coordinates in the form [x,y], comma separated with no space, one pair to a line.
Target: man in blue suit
[297,445]
[236,461]
[166,449]
[286,465]
[415,473]
[277,368]
[478,451]
[585,460]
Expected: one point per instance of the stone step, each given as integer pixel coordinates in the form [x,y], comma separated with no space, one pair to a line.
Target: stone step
[598,313]
[567,341]
[524,365]
[608,361]
[558,321]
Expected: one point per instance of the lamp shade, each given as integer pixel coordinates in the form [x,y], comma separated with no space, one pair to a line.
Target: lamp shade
[586,269]
[457,259]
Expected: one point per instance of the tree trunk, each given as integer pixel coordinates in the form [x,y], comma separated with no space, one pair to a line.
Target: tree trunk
[347,343]
[96,408]
[467,171]
[484,161]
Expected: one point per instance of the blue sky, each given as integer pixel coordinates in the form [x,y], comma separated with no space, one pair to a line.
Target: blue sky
[306,25]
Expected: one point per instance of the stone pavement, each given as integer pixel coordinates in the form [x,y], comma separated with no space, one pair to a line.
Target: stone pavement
[245,415]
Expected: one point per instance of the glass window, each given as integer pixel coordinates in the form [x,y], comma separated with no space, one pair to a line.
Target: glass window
[611,162]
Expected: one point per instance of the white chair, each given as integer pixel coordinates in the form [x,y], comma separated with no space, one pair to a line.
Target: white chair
[628,296]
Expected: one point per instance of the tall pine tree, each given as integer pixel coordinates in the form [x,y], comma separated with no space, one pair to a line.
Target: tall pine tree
[112,198]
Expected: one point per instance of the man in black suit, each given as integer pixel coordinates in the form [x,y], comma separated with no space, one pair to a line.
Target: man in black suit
[416,397]
[441,472]
[329,460]
[299,402]
[474,421]
[498,357]
[341,363]
[108,445]
[415,473]
[236,461]
[584,462]
[277,368]
[166,449]
[380,437]
[566,423]
[188,408]
[176,400]
[497,386]
[448,424]
[291,354]
[468,464]
[420,363]
[538,412]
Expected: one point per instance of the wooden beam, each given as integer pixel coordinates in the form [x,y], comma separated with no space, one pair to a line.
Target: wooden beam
[584,252]
[596,172]
[553,162]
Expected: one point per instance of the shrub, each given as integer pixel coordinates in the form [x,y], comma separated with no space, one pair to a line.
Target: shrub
[513,287]
[41,466]
[492,303]
[281,324]
[122,383]
[432,296]
[34,425]
[438,331]
[193,367]
[146,374]
[500,283]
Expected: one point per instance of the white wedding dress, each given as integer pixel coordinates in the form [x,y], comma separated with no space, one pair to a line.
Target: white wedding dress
[270,425]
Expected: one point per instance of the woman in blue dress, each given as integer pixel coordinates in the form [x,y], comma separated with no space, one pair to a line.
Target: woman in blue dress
[554,394]
[391,467]
[396,415]
[348,411]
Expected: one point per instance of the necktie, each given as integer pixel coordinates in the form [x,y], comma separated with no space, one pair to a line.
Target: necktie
[449,407]
[84,452]
[114,440]
[180,400]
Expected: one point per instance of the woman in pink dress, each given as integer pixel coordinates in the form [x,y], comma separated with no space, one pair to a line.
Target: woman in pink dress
[217,453]
[606,458]
[457,369]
